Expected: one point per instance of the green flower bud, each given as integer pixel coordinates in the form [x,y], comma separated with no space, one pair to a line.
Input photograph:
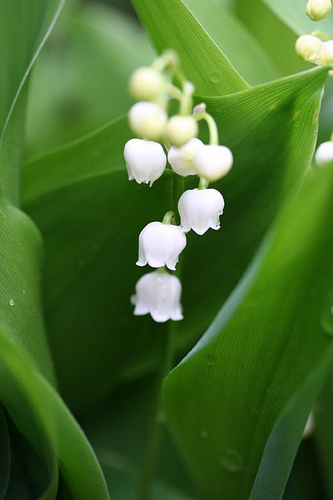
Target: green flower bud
[180,129]
[146,84]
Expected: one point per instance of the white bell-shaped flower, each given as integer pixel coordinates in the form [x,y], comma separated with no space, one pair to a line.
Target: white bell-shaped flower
[180,129]
[200,209]
[325,54]
[146,84]
[318,9]
[145,160]
[307,47]
[158,294]
[181,159]
[147,120]
[213,162]
[160,245]
[324,154]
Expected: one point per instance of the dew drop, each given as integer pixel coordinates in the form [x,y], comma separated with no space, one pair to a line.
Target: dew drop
[12,302]
[231,460]
[204,434]
[214,77]
[211,359]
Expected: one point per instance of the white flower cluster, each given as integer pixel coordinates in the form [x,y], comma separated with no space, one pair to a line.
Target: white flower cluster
[160,243]
[316,48]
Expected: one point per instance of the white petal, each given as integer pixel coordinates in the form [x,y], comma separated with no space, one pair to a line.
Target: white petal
[160,245]
[145,160]
[200,209]
[181,159]
[158,294]
[213,162]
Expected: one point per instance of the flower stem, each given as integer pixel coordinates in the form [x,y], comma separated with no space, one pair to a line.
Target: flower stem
[166,363]
[156,430]
[212,127]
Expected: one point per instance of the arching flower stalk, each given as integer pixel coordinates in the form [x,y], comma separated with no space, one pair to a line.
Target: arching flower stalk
[160,243]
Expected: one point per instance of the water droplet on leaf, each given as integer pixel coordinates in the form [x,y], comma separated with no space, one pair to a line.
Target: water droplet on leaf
[231,460]
[12,302]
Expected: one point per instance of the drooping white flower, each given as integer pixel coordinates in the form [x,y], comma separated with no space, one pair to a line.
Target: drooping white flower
[160,245]
[317,10]
[147,120]
[158,294]
[324,154]
[213,162]
[307,47]
[180,129]
[181,159]
[325,54]
[200,209]
[146,84]
[145,160]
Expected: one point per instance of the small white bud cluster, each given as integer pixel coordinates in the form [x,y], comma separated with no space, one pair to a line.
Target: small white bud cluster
[316,48]
[160,243]
[317,10]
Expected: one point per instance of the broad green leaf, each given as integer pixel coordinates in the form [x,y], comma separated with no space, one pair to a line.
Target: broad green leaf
[25,364]
[277,39]
[253,378]
[120,432]
[86,42]
[80,198]
[44,420]
[235,41]
[170,24]
[26,25]
[292,13]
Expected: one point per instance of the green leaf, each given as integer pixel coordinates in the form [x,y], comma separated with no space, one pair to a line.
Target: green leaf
[277,39]
[44,420]
[170,24]
[293,15]
[81,199]
[27,26]
[86,42]
[119,432]
[252,380]
[26,370]
[235,41]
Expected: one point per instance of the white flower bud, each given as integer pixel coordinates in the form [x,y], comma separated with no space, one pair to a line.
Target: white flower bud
[145,160]
[181,159]
[200,209]
[213,162]
[147,120]
[160,245]
[146,84]
[324,154]
[180,129]
[307,47]
[318,9]
[158,294]
[325,54]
